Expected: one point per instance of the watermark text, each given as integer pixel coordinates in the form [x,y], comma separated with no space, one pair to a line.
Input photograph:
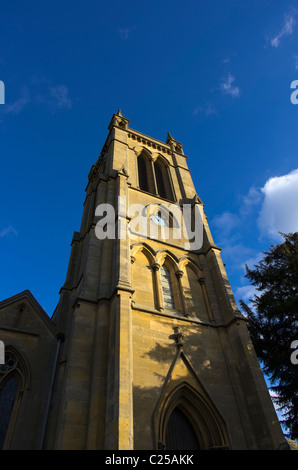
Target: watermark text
[294,355]
[294,94]
[156,221]
[2,353]
[2,92]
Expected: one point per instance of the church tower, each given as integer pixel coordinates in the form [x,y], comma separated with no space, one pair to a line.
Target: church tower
[151,351]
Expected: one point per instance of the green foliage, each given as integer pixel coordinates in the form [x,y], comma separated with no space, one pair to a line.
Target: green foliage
[273,323]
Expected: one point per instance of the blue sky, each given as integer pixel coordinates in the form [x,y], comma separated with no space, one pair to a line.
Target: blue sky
[214,74]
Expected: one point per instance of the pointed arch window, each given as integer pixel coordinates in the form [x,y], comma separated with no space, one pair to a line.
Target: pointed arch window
[154,177]
[142,170]
[13,377]
[161,189]
[180,434]
[7,398]
[167,290]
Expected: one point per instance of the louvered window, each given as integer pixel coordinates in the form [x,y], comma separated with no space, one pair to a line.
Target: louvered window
[159,180]
[167,288]
[142,170]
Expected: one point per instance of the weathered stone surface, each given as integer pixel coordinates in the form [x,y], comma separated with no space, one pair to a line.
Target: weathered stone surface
[137,344]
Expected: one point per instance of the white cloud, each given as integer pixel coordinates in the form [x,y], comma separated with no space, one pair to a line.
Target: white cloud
[40,92]
[237,254]
[245,293]
[279,212]
[208,110]
[253,260]
[17,106]
[253,197]
[59,96]
[275,209]
[125,32]
[227,86]
[286,30]
[52,96]
[7,231]
[226,222]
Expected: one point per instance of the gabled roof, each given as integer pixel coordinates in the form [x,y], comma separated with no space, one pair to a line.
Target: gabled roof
[29,297]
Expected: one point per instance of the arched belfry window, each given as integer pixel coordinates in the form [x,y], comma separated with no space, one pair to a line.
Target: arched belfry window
[180,434]
[161,188]
[13,378]
[167,289]
[163,182]
[154,177]
[143,176]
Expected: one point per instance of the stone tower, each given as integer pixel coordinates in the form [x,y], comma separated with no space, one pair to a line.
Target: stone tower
[147,348]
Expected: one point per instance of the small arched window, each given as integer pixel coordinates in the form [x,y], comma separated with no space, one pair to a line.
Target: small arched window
[167,290]
[142,170]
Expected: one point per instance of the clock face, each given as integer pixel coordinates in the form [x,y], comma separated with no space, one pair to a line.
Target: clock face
[159,220]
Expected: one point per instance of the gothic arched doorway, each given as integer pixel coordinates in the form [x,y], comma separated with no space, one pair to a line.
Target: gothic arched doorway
[180,434]
[188,420]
